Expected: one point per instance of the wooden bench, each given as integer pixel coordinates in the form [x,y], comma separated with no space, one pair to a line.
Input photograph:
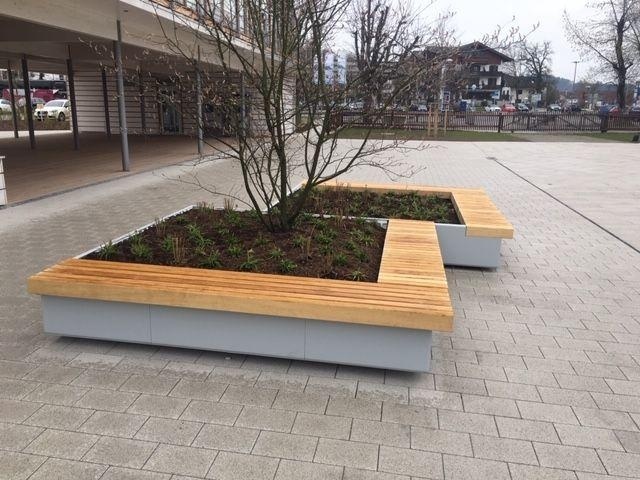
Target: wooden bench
[384,324]
[475,243]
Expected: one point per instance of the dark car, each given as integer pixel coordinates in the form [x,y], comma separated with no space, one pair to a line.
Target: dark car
[609,110]
[635,111]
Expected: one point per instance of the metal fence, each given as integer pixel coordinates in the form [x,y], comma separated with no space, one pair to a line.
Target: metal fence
[492,122]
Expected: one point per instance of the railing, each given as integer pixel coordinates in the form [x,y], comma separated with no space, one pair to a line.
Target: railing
[493,122]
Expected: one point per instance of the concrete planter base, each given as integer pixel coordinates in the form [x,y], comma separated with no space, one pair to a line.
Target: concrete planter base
[316,340]
[460,250]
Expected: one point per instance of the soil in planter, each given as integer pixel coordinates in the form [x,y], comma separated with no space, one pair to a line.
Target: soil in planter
[230,240]
[403,205]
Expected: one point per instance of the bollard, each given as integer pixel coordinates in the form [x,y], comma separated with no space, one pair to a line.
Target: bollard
[3,187]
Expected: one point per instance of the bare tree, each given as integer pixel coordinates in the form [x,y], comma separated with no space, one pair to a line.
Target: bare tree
[536,60]
[263,53]
[607,35]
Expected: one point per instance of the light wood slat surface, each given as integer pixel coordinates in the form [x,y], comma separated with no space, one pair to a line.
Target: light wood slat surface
[411,252]
[475,209]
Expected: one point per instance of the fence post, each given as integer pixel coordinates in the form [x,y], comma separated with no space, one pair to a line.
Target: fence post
[3,187]
[500,120]
[604,123]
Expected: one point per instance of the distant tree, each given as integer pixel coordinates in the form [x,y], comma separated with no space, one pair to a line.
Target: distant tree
[536,60]
[607,35]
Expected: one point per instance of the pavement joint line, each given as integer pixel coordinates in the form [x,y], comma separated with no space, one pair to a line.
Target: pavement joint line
[635,249]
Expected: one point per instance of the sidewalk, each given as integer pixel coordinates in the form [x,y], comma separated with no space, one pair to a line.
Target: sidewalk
[540,379]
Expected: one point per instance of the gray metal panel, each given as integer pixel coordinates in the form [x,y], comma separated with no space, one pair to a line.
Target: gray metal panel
[228,331]
[461,250]
[369,346]
[127,322]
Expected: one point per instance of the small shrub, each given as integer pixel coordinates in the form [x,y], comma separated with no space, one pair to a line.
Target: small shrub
[251,263]
[179,250]
[196,236]
[340,260]
[299,241]
[287,266]
[161,227]
[139,249]
[212,260]
[167,244]
[358,276]
[234,250]
[276,253]
[108,251]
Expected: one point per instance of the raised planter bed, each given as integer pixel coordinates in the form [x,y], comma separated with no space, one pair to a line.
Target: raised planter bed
[384,324]
[476,241]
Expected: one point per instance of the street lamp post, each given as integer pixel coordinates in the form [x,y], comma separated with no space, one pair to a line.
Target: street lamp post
[575,70]
[442,72]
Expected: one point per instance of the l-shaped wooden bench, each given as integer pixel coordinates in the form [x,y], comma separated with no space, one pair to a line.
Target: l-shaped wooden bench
[385,324]
[474,243]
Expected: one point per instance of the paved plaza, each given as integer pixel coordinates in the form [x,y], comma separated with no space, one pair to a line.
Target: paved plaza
[540,379]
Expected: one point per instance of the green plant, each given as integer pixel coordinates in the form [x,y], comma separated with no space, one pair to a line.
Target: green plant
[358,276]
[196,236]
[360,255]
[212,260]
[251,263]
[340,260]
[276,253]
[107,251]
[299,241]
[161,227]
[287,266]
[228,204]
[234,250]
[139,249]
[167,244]
[179,250]
[261,240]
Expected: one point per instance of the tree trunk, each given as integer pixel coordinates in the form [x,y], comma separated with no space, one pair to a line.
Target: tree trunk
[621,89]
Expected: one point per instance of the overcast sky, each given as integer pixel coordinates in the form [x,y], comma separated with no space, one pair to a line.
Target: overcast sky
[475,18]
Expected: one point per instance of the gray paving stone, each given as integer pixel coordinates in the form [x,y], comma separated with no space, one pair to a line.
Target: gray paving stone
[467,422]
[382,392]
[301,402]
[503,449]
[410,462]
[527,430]
[258,397]
[328,426]
[56,394]
[15,465]
[435,399]
[53,374]
[294,470]
[16,437]
[349,454]
[339,387]
[56,416]
[528,472]
[181,460]
[570,458]
[164,430]
[592,417]
[465,468]
[147,384]
[561,396]
[109,400]
[234,376]
[11,388]
[119,473]
[356,408]
[95,360]
[222,437]
[266,419]
[630,440]
[198,390]
[515,391]
[237,466]
[57,469]
[61,444]
[620,463]
[382,433]
[441,441]
[410,415]
[11,369]
[281,381]
[211,412]
[588,437]
[159,406]
[100,379]
[120,452]
[196,371]
[490,405]
[546,412]
[285,445]
[358,474]
[113,424]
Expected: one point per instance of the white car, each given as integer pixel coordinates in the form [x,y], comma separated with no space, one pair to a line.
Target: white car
[58,109]
[492,108]
[5,105]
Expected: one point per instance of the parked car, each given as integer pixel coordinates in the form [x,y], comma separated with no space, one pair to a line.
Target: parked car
[492,108]
[58,109]
[509,108]
[635,111]
[609,110]
[5,105]
[554,107]
[521,107]
[573,108]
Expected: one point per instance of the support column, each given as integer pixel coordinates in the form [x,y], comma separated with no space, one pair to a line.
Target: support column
[72,99]
[122,114]
[12,96]
[27,99]
[199,106]
[105,101]
[143,115]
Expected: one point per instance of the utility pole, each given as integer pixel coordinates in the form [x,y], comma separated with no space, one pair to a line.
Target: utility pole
[575,70]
